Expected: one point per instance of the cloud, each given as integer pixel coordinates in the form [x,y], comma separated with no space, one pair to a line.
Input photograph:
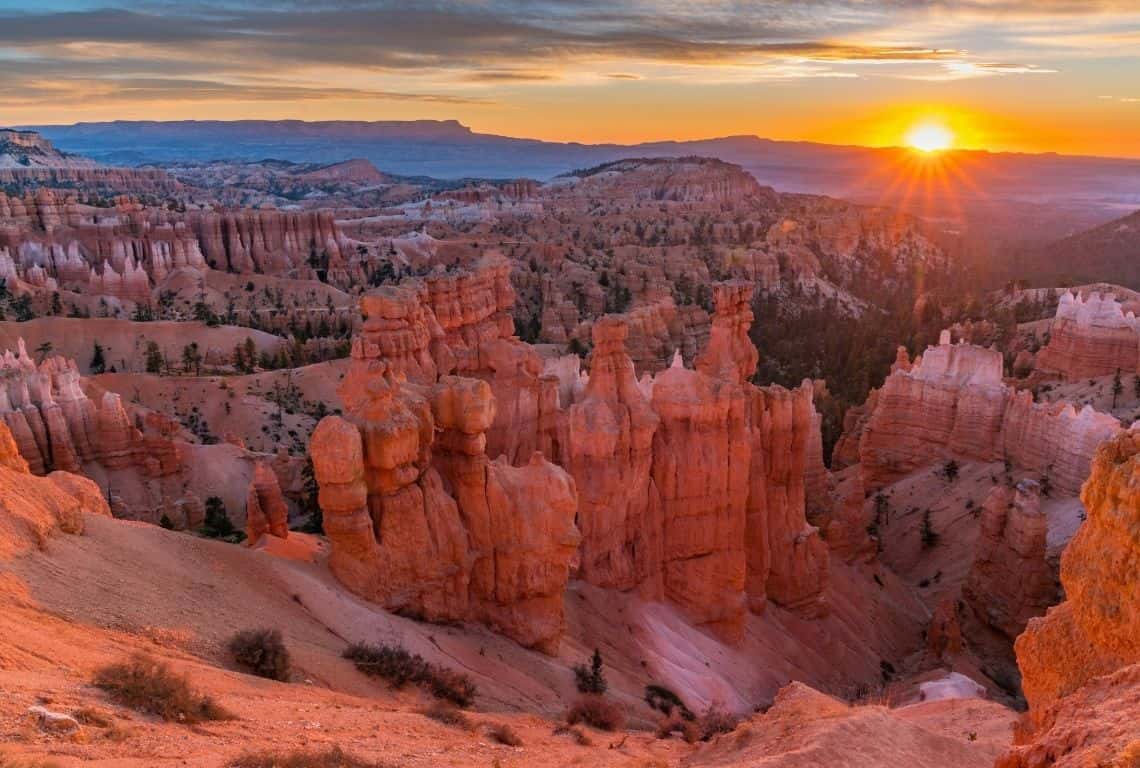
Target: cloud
[508,76]
[451,51]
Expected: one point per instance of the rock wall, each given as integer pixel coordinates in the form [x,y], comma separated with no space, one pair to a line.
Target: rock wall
[55,425]
[1083,657]
[1091,337]
[33,508]
[608,446]
[127,250]
[952,402]
[701,467]
[1010,580]
[1097,629]
[290,243]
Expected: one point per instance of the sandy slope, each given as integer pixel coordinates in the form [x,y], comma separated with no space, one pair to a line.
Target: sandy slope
[124,341]
[86,600]
[244,406]
[805,729]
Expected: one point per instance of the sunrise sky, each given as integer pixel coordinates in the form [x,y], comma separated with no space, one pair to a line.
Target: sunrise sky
[1025,75]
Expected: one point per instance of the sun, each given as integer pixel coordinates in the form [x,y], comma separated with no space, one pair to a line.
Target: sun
[930,137]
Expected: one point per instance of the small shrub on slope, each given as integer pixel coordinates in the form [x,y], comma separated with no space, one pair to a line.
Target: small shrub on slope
[150,686]
[262,652]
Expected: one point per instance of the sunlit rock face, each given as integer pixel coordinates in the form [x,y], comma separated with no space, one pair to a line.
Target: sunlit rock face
[1080,663]
[1091,337]
[1097,628]
[951,402]
[701,465]
[608,449]
[422,522]
[689,486]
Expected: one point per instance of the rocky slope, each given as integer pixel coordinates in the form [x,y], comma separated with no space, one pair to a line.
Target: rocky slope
[1079,662]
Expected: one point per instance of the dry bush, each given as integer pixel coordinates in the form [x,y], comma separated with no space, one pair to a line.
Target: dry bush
[390,662]
[674,722]
[579,736]
[448,684]
[504,734]
[150,686]
[330,758]
[596,711]
[448,714]
[262,652]
[715,720]
[93,716]
[399,667]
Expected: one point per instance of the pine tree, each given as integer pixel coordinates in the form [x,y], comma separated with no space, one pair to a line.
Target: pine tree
[98,363]
[591,679]
[154,360]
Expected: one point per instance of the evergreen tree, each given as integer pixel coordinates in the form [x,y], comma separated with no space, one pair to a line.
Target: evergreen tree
[98,363]
[591,679]
[192,358]
[154,359]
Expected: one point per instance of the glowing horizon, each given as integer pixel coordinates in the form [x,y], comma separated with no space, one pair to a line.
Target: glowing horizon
[999,75]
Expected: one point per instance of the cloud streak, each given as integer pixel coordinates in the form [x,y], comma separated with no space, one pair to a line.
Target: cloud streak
[458,51]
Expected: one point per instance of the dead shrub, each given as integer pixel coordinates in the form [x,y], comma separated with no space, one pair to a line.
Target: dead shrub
[400,667]
[334,757]
[94,717]
[579,736]
[150,686]
[716,720]
[674,722]
[448,684]
[504,734]
[262,652]
[595,711]
[448,714]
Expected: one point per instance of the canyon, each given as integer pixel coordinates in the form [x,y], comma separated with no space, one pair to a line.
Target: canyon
[651,409]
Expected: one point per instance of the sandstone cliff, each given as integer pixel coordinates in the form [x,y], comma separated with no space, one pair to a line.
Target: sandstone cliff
[427,525]
[1085,653]
[952,402]
[1010,580]
[1091,337]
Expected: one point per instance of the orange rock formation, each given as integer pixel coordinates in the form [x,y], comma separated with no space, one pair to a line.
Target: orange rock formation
[1080,663]
[1090,337]
[690,486]
[1010,580]
[951,402]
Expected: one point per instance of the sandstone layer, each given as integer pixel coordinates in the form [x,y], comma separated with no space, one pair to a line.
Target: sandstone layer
[1085,652]
[1010,580]
[689,486]
[952,403]
[1091,337]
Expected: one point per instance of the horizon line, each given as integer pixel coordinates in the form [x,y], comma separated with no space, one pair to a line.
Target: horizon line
[472,131]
